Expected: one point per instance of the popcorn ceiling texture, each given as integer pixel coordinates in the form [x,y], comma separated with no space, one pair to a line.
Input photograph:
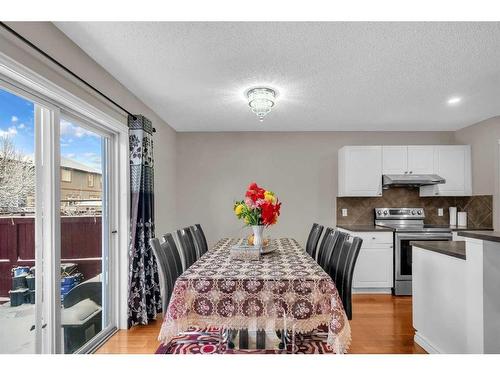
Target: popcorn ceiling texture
[479,208]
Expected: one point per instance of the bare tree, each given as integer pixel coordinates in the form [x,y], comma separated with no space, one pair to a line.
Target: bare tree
[17,178]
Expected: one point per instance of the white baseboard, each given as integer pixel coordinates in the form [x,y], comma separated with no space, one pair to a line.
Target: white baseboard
[424,343]
[371,290]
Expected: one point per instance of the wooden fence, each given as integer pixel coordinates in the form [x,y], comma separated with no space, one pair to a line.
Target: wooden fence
[81,239]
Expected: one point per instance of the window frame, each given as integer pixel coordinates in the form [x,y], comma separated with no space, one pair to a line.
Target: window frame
[70,174]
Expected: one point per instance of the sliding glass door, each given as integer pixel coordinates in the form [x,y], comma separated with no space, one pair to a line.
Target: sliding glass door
[85,229]
[18,221]
[58,227]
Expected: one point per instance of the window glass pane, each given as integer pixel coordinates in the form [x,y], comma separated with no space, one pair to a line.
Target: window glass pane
[17,224]
[83,250]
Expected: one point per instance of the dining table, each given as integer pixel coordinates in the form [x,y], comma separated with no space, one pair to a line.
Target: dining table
[282,290]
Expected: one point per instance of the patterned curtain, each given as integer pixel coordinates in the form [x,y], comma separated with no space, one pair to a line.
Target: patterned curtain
[144,300]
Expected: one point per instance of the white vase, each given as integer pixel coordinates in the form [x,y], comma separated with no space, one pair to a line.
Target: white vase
[258,238]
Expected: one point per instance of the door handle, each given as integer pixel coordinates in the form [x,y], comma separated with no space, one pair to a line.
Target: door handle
[33,327]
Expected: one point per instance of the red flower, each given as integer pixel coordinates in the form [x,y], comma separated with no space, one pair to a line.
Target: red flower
[255,192]
[270,212]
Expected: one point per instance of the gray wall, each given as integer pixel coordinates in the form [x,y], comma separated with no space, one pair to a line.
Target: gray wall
[46,36]
[483,138]
[214,169]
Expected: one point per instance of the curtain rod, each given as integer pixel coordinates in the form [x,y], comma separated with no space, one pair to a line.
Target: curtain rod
[46,55]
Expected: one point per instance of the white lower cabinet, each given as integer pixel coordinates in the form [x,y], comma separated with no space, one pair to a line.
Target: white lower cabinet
[373,272]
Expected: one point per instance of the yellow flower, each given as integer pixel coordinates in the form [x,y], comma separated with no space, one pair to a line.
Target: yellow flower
[247,220]
[269,196]
[238,209]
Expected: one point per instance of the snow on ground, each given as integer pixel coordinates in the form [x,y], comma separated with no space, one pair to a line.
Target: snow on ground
[15,325]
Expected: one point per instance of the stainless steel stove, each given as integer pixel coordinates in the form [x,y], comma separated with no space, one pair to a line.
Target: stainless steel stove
[408,225]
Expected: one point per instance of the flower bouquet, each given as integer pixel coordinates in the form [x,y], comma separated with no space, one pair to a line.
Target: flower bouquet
[259,209]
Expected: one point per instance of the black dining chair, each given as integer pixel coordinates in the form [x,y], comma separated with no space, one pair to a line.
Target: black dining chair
[187,246]
[342,271]
[199,239]
[332,256]
[169,238]
[332,243]
[164,255]
[327,243]
[323,244]
[313,239]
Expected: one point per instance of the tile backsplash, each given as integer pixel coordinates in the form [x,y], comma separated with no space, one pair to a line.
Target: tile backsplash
[479,208]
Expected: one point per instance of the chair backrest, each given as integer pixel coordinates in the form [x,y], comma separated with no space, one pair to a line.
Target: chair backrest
[169,239]
[332,258]
[323,244]
[187,245]
[345,271]
[313,239]
[166,277]
[199,239]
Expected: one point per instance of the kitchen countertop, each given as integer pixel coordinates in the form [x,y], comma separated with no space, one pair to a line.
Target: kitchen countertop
[456,228]
[481,235]
[452,248]
[378,228]
[364,228]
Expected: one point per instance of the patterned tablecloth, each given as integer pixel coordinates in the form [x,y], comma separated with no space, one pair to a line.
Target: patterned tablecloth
[285,289]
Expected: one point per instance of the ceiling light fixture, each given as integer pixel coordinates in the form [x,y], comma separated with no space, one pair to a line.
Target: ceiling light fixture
[454,100]
[261,100]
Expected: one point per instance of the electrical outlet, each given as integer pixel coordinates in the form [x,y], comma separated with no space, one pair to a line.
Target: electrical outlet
[440,212]
[344,212]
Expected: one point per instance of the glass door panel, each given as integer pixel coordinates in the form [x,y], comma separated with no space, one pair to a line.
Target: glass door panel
[84,234]
[18,289]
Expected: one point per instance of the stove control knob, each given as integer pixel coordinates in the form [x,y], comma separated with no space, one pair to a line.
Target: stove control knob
[386,212]
[414,212]
[379,212]
[419,212]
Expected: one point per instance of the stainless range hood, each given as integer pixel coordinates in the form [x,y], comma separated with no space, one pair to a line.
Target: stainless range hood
[389,180]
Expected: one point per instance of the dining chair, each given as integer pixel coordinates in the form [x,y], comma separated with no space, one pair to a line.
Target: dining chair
[187,246]
[199,239]
[343,271]
[332,257]
[323,244]
[169,238]
[313,239]
[167,268]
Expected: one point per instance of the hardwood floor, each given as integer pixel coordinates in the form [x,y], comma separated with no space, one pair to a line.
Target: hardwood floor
[381,324]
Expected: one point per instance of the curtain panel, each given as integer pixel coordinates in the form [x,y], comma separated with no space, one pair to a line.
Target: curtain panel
[144,300]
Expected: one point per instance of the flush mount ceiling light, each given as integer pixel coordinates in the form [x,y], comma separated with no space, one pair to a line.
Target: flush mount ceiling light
[454,100]
[261,100]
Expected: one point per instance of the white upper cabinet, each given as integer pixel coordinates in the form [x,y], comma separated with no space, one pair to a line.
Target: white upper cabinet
[394,159]
[453,163]
[421,159]
[361,168]
[360,171]
[407,159]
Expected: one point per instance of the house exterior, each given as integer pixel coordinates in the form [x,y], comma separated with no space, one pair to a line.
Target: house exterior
[81,187]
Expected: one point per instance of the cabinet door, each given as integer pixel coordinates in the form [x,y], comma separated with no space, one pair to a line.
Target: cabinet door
[453,163]
[362,171]
[394,159]
[374,268]
[421,159]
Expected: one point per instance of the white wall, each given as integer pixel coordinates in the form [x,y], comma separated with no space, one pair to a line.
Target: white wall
[484,137]
[214,169]
[50,39]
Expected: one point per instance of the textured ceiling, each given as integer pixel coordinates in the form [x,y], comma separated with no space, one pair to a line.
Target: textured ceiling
[330,76]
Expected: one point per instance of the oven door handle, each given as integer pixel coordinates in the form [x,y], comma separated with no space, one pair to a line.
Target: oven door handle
[422,236]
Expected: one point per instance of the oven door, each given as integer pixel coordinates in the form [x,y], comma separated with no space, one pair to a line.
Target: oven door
[403,252]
